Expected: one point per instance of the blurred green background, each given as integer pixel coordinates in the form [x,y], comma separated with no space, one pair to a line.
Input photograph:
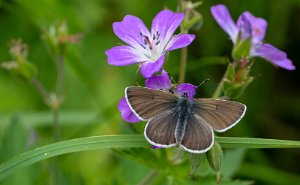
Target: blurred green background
[93,88]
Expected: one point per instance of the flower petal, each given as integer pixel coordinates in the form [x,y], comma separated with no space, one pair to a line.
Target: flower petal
[223,18]
[165,23]
[126,112]
[187,88]
[245,27]
[159,82]
[274,55]
[150,67]
[123,55]
[258,26]
[180,41]
[130,30]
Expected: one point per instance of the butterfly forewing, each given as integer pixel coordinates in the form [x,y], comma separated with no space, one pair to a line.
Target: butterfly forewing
[160,130]
[148,103]
[198,137]
[221,115]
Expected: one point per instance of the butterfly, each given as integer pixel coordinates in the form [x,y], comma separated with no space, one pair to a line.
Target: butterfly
[174,120]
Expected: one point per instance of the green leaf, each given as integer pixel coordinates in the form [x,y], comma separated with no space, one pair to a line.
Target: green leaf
[196,22]
[14,142]
[245,142]
[122,141]
[232,161]
[148,158]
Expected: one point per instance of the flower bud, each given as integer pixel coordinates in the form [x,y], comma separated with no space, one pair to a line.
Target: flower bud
[19,64]
[57,37]
[214,157]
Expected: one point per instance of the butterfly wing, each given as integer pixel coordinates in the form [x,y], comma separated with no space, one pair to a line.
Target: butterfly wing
[160,130]
[148,103]
[198,137]
[221,115]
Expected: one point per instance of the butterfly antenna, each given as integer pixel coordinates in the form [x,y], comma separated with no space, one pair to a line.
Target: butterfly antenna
[203,82]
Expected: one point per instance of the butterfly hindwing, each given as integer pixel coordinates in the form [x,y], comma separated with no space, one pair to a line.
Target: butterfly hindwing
[148,103]
[160,130]
[198,137]
[221,115]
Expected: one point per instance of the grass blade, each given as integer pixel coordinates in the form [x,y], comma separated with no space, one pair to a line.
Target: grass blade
[121,141]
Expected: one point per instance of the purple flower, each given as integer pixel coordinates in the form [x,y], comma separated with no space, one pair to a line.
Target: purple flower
[249,26]
[186,88]
[126,112]
[147,48]
[159,82]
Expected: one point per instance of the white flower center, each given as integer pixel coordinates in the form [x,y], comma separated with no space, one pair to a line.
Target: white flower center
[151,45]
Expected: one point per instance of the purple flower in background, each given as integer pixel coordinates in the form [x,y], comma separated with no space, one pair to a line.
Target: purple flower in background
[186,88]
[147,48]
[249,26]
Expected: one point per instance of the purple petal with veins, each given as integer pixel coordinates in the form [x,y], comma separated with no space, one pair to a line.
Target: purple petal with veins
[165,23]
[159,82]
[149,68]
[274,55]
[129,30]
[180,41]
[126,112]
[186,88]
[122,55]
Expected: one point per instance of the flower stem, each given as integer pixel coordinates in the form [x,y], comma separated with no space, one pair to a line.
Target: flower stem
[55,107]
[219,89]
[184,51]
[60,75]
[183,62]
[40,88]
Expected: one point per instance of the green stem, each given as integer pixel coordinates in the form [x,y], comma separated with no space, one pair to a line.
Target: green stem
[183,62]
[219,89]
[184,51]
[60,76]
[55,109]
[40,88]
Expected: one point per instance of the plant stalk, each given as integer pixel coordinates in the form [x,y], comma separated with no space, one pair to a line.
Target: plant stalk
[183,62]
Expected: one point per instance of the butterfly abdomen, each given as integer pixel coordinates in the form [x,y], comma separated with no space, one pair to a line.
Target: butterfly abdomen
[183,111]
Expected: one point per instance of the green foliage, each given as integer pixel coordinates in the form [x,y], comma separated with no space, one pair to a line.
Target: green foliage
[93,88]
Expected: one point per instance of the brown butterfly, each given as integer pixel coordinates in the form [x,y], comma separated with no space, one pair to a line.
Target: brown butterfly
[178,121]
